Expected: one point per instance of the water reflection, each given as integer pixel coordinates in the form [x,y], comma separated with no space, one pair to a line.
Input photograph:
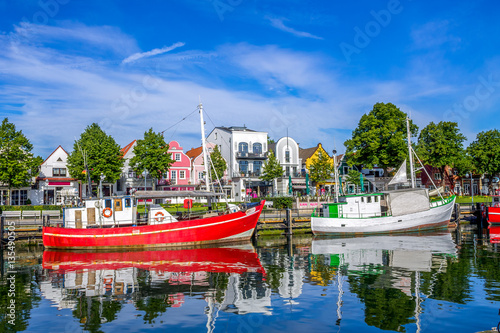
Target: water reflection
[96,284]
[385,272]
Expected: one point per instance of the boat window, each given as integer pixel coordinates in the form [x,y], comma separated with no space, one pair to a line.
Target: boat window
[108,204]
[369,199]
[362,199]
[376,199]
[128,202]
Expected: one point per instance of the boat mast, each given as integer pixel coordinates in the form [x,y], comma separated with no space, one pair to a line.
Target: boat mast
[410,154]
[203,145]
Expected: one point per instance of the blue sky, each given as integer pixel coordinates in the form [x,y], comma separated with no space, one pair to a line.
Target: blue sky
[310,67]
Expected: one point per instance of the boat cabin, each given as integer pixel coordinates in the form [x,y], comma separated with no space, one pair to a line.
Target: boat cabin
[113,212]
[390,203]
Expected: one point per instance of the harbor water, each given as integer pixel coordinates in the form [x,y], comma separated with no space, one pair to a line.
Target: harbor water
[432,282]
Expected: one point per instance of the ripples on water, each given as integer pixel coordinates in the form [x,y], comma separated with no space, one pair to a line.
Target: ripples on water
[407,283]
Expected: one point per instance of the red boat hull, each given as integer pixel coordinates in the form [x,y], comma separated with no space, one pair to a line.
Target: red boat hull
[494,215]
[218,229]
[220,260]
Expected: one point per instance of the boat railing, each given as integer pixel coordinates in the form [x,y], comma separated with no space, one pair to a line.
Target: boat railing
[442,202]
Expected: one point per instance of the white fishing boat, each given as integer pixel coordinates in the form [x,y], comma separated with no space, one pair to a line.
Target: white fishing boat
[394,211]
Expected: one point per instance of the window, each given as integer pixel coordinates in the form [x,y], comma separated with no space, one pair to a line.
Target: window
[243,147]
[243,166]
[287,171]
[375,199]
[182,174]
[257,167]
[368,199]
[437,176]
[287,156]
[19,197]
[59,172]
[4,194]
[257,148]
[201,175]
[108,203]
[128,202]
[173,175]
[131,173]
[177,156]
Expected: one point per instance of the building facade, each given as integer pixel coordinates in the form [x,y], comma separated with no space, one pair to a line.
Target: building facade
[245,152]
[178,176]
[54,185]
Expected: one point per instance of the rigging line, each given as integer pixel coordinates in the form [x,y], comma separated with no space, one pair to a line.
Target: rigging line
[179,121]
[222,138]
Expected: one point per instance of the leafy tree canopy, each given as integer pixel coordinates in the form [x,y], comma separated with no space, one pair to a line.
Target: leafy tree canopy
[151,155]
[485,152]
[17,163]
[102,153]
[272,168]
[380,138]
[441,144]
[321,168]
[219,164]
[354,177]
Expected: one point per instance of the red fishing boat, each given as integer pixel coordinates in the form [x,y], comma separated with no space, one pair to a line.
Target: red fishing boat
[493,211]
[114,223]
[238,259]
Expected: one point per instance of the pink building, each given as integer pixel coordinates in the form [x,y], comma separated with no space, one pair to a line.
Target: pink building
[179,174]
[197,166]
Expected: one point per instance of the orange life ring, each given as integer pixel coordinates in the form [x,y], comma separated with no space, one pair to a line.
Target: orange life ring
[160,219]
[109,212]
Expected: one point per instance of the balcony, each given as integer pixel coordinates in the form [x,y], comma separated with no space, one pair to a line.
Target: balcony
[253,156]
[246,174]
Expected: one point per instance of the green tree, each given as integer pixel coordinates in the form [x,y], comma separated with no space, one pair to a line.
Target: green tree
[272,169]
[485,153]
[151,155]
[17,164]
[321,168]
[380,138]
[102,154]
[441,145]
[353,177]
[218,163]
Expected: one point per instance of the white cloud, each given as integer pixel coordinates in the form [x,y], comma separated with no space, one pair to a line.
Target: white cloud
[56,92]
[137,56]
[278,24]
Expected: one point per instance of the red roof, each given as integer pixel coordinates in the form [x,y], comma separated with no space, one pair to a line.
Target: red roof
[127,148]
[194,152]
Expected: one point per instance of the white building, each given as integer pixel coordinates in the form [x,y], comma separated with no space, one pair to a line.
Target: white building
[129,179]
[54,185]
[245,151]
[286,151]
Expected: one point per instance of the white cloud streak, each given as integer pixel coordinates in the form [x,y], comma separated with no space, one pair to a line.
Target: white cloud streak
[137,56]
[278,24]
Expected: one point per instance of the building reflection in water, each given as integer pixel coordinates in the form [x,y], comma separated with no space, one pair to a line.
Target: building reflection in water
[232,280]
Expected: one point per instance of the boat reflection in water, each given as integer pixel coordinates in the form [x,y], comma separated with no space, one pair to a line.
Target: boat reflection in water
[167,278]
[494,232]
[373,265]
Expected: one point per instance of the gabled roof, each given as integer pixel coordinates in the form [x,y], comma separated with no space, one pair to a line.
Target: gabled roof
[194,152]
[127,148]
[305,153]
[54,152]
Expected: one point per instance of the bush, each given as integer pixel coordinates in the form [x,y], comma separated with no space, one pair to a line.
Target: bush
[282,202]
